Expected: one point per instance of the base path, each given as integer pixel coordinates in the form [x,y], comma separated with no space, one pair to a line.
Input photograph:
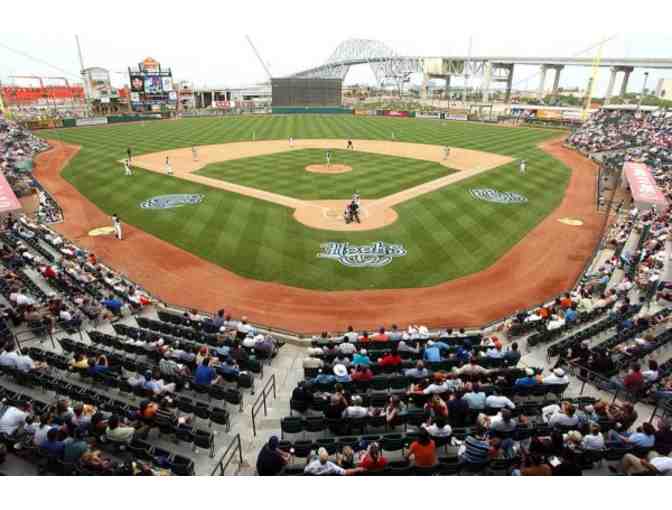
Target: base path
[320,214]
[545,263]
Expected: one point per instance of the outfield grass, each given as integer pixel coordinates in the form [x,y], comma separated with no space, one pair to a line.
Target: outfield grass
[372,175]
[447,233]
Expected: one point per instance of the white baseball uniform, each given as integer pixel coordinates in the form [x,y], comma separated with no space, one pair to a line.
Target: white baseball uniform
[446,152]
[194,154]
[169,169]
[127,168]
[116,223]
[523,167]
[291,141]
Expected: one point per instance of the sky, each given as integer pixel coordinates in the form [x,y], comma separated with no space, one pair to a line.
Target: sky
[205,43]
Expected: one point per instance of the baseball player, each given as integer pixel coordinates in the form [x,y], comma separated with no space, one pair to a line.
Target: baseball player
[350,145]
[392,135]
[128,153]
[127,168]
[328,157]
[116,223]
[523,167]
[194,154]
[355,198]
[291,142]
[446,152]
[169,169]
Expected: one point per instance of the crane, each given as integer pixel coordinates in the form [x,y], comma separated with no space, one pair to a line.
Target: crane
[261,61]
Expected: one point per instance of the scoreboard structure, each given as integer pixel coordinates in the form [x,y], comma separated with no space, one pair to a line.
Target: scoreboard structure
[306,92]
[152,88]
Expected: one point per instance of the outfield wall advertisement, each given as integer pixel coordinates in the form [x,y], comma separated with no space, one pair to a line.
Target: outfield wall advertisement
[93,121]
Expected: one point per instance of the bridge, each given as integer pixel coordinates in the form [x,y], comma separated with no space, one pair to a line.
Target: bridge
[389,67]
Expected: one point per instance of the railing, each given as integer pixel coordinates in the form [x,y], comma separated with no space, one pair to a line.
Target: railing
[260,403]
[235,447]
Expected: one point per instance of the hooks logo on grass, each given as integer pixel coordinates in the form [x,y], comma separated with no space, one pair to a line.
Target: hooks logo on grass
[498,197]
[371,255]
[171,201]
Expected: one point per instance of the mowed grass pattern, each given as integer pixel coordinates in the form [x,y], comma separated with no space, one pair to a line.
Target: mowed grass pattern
[372,175]
[447,233]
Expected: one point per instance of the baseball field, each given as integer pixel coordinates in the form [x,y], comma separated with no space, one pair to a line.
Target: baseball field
[253,186]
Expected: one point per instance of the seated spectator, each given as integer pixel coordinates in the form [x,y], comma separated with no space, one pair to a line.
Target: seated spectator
[474,397]
[477,448]
[373,459]
[205,375]
[423,450]
[53,444]
[271,460]
[74,447]
[356,409]
[361,373]
[535,466]
[438,427]
[651,375]
[654,463]
[341,373]
[419,372]
[530,379]
[512,355]
[113,304]
[117,432]
[560,416]
[390,360]
[557,377]
[321,465]
[593,441]
[361,358]
[645,437]
[395,407]
[497,401]
[14,419]
[436,407]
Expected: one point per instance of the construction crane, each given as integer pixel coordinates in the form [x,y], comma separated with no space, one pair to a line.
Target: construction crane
[261,61]
[595,70]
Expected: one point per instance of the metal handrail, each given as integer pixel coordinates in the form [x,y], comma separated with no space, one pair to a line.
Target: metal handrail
[260,402]
[224,461]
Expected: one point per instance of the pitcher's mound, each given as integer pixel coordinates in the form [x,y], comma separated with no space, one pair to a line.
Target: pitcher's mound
[329,169]
[328,215]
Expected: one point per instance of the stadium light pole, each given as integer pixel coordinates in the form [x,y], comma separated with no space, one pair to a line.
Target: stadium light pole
[641,97]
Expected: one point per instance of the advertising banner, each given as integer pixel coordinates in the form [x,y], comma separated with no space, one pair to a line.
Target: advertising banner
[135,97]
[645,191]
[93,121]
[152,84]
[137,83]
[8,200]
[428,115]
[549,114]
[454,116]
[395,113]
[172,95]
[363,113]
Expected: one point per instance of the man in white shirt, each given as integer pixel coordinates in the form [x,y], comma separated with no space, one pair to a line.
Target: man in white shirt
[655,463]
[499,402]
[347,348]
[351,336]
[244,328]
[503,422]
[594,440]
[9,358]
[14,418]
[561,417]
[439,428]
[557,377]
[355,410]
[322,465]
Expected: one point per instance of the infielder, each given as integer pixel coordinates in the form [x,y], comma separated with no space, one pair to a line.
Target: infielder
[194,154]
[355,198]
[523,167]
[116,223]
[127,168]
[128,153]
[169,169]
[350,145]
[291,141]
[446,153]
[328,157]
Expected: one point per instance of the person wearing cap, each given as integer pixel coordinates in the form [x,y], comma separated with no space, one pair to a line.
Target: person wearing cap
[419,372]
[361,358]
[437,386]
[271,460]
[347,348]
[355,409]
[341,373]
[557,377]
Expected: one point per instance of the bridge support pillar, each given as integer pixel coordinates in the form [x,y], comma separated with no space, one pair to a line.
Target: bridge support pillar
[612,83]
[487,82]
[556,82]
[424,87]
[627,71]
[542,82]
[509,85]
[446,92]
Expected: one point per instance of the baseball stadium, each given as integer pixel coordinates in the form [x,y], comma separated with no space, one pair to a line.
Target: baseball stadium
[438,274]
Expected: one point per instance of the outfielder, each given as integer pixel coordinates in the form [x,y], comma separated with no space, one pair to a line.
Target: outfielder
[194,154]
[127,168]
[116,223]
[169,169]
[523,167]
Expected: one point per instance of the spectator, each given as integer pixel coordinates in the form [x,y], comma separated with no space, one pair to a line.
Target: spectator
[271,459]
